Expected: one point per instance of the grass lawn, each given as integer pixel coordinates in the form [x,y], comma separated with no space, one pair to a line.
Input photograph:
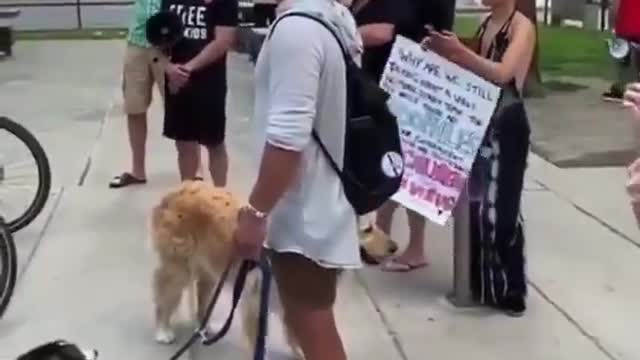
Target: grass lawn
[563,51]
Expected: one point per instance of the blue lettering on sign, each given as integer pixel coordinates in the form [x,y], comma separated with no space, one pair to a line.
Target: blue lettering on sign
[442,130]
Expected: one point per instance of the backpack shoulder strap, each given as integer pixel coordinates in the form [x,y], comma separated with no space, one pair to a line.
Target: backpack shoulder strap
[348,62]
[320,21]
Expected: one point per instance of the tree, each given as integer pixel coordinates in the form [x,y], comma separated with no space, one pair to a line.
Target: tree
[533,83]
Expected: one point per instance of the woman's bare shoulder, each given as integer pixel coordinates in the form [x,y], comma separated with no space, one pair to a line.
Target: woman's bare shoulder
[522,23]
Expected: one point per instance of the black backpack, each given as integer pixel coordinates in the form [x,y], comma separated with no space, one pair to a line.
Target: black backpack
[373,163]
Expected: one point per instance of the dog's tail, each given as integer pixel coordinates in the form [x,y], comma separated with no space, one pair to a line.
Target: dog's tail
[251,306]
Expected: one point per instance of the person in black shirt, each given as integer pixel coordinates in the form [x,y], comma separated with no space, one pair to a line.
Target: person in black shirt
[378,22]
[437,14]
[195,111]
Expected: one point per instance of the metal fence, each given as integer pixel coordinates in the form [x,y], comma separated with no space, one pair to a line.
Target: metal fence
[70,14]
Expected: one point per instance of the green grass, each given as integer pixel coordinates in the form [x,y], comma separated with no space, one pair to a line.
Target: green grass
[563,51]
[84,34]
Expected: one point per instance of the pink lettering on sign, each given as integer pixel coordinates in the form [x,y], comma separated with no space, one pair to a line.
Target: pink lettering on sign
[437,171]
[430,195]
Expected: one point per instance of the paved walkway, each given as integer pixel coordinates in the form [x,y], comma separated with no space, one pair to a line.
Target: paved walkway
[89,279]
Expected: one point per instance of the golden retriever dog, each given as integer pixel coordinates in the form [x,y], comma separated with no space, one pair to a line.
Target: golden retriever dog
[191,232]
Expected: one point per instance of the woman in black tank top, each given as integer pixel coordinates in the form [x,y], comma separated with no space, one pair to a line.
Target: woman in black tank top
[504,46]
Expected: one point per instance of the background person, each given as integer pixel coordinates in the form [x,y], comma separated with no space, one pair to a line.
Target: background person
[379,22]
[299,85]
[506,42]
[143,67]
[632,102]
[196,89]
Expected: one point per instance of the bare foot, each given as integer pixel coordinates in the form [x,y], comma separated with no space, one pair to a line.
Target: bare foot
[405,263]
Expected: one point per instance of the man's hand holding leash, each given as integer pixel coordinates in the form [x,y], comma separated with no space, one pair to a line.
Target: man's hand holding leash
[250,234]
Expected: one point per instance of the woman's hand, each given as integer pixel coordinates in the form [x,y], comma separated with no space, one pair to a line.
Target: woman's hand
[632,100]
[177,76]
[443,43]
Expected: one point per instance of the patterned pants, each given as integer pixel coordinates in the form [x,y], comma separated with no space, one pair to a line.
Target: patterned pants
[497,226]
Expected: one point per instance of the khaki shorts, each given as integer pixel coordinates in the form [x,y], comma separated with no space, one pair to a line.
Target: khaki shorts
[303,283]
[142,68]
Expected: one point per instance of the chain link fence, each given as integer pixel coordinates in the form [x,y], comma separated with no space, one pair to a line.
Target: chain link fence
[70,14]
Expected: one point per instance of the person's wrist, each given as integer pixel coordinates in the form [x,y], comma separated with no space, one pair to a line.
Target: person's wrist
[248,211]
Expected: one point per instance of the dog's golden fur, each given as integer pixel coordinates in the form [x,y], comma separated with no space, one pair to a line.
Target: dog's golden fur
[191,232]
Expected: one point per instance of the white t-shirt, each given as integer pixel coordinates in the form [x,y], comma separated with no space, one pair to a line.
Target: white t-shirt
[300,85]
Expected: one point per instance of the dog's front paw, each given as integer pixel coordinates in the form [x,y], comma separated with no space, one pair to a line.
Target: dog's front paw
[165,336]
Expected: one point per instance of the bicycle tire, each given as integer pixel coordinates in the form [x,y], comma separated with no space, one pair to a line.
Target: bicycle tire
[44,174]
[9,264]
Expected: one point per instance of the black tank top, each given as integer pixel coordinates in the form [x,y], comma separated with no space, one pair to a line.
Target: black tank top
[497,48]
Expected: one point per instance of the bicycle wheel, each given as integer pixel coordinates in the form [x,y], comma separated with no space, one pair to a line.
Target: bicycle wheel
[8,266]
[22,201]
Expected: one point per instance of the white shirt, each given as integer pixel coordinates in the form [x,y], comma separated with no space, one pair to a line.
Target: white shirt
[300,85]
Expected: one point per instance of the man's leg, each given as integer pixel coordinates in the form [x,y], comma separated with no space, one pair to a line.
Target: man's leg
[384,216]
[413,256]
[137,88]
[137,126]
[188,159]
[218,164]
[308,292]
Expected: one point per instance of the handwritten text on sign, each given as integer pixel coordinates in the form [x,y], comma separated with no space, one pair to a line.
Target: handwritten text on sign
[443,111]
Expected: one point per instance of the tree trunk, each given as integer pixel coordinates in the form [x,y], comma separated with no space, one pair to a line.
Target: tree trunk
[533,83]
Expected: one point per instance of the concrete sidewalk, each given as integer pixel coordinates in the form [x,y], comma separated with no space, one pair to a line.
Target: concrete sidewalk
[89,280]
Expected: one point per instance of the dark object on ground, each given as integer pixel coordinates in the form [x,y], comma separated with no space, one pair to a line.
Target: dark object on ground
[614,94]
[6,30]
[59,350]
[164,29]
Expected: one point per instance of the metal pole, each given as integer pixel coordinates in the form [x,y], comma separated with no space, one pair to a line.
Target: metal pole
[546,12]
[79,14]
[461,295]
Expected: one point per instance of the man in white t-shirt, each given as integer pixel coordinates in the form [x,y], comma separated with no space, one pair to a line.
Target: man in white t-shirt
[312,228]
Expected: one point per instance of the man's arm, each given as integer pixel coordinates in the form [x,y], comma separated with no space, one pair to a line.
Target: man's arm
[383,19]
[224,15]
[225,36]
[294,75]
[376,34]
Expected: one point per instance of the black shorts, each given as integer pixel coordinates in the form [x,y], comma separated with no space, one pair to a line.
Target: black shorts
[197,112]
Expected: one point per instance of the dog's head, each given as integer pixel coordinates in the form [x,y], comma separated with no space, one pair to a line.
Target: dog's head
[59,350]
[375,245]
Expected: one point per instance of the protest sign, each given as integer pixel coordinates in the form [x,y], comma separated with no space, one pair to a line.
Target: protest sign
[443,111]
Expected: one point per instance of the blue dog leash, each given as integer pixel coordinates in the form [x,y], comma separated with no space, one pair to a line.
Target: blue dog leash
[263,319]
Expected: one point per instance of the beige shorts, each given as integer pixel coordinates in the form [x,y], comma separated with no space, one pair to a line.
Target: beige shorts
[143,67]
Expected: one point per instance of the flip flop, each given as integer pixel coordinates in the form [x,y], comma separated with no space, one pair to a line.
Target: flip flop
[397,266]
[124,180]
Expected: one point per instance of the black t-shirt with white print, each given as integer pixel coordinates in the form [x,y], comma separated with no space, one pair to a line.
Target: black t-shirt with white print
[200,19]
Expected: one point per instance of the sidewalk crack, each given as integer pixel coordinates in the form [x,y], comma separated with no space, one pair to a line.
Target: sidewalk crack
[383,318]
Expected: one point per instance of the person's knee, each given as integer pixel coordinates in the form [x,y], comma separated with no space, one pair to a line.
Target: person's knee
[303,284]
[137,118]
[187,148]
[218,151]
[308,293]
